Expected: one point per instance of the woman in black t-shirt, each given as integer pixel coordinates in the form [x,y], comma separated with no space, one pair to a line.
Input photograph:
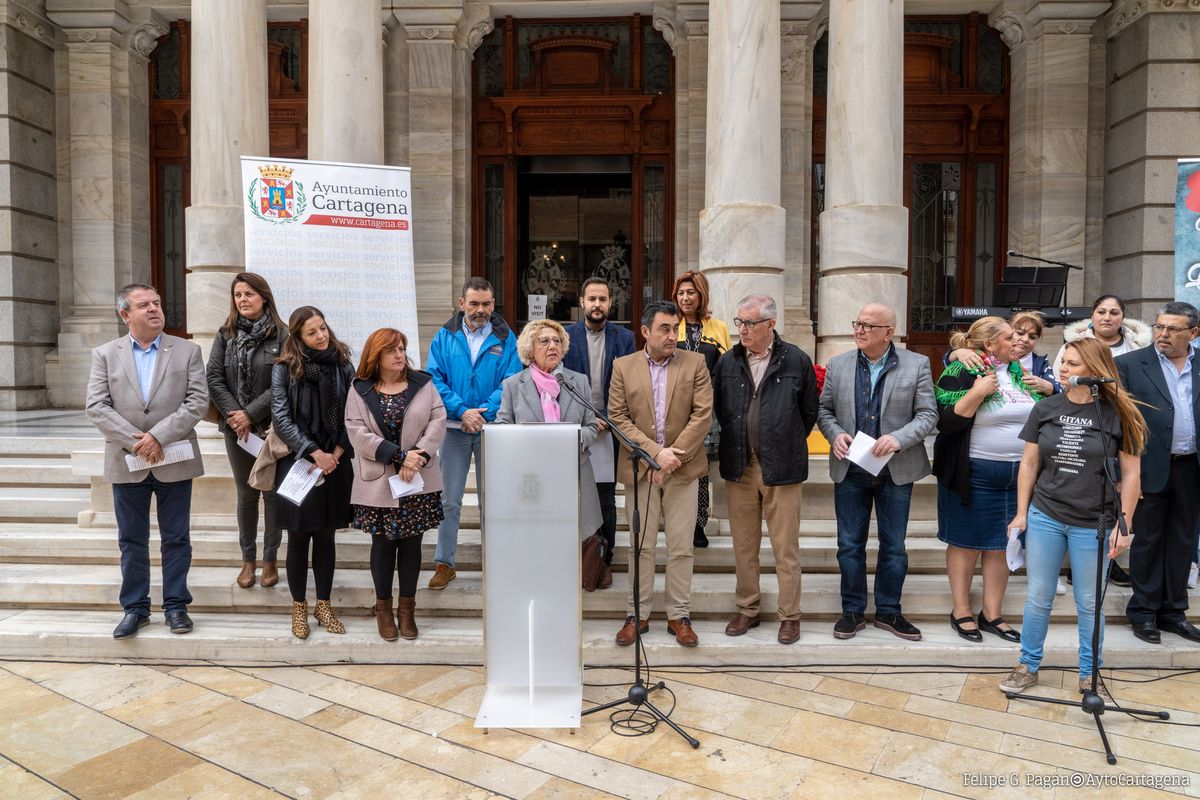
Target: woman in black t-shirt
[1059,500]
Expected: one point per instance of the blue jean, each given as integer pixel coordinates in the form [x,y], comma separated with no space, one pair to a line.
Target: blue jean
[852,500]
[455,457]
[1046,540]
[131,502]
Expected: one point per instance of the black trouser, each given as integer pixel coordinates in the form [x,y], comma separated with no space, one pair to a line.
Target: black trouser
[241,463]
[608,513]
[1161,554]
[403,557]
[324,553]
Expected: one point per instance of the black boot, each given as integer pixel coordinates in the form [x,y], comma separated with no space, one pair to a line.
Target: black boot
[699,539]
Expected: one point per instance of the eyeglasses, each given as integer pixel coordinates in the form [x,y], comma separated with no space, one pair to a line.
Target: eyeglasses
[546,341]
[748,324]
[1171,329]
[866,326]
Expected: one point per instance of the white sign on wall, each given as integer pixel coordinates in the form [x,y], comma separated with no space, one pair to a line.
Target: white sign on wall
[334,236]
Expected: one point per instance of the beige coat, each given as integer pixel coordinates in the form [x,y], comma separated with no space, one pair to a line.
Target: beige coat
[423,428]
[689,411]
[178,400]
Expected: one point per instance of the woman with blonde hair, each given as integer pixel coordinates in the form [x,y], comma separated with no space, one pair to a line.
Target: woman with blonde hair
[976,457]
[396,421]
[700,332]
[1068,440]
[535,395]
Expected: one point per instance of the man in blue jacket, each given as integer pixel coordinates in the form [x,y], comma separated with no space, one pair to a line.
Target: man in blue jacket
[595,343]
[470,357]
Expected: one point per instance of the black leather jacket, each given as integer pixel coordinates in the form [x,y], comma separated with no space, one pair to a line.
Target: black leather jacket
[222,379]
[787,413]
[284,396]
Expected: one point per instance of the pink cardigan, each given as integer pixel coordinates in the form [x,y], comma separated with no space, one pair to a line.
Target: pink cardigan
[423,428]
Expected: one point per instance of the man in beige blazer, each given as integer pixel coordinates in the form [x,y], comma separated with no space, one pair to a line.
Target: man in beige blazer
[146,392]
[661,398]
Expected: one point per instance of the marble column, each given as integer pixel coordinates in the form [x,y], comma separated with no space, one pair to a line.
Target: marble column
[104,164]
[742,226]
[29,247]
[864,229]
[229,120]
[796,171]
[345,81]
[1053,143]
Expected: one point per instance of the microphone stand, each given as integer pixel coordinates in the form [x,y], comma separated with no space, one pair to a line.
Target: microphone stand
[638,694]
[1092,703]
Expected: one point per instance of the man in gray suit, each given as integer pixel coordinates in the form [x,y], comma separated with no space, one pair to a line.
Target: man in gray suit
[146,392]
[887,394]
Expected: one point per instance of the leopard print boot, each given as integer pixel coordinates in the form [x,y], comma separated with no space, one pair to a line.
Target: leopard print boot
[300,619]
[324,615]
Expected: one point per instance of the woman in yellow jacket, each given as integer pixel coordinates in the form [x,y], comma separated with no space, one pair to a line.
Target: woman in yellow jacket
[700,332]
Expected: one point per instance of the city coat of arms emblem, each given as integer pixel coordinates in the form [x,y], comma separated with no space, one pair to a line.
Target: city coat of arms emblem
[275,197]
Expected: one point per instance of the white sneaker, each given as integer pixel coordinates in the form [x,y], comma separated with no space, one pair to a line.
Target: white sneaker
[1192,576]
[1061,588]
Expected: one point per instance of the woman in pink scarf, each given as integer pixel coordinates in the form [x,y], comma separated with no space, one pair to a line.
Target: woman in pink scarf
[535,395]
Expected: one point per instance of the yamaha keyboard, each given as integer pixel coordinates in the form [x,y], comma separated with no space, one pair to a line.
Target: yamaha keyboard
[1055,315]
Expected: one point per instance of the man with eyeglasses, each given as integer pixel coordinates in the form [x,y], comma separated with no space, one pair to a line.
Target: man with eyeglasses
[765,398]
[1162,376]
[595,343]
[886,393]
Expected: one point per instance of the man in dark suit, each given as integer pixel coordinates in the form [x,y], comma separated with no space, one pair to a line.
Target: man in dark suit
[595,344]
[1163,377]
[146,392]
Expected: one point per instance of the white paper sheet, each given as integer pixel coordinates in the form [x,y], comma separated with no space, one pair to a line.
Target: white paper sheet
[401,487]
[172,454]
[1015,553]
[601,453]
[860,453]
[252,444]
[299,481]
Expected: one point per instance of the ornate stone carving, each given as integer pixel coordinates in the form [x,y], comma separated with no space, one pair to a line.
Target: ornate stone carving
[144,37]
[1010,28]
[664,23]
[792,64]
[473,27]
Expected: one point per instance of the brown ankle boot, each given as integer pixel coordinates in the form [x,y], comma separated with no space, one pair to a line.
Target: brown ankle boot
[300,619]
[405,613]
[324,614]
[245,578]
[385,621]
[270,574]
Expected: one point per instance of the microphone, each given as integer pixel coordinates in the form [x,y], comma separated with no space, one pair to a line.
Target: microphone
[1075,380]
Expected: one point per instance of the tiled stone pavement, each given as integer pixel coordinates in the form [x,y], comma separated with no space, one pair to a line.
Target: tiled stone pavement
[106,731]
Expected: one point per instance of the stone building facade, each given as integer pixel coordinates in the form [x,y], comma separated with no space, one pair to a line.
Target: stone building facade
[793,155]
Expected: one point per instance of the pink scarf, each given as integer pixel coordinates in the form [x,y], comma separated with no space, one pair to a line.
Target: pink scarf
[547,388]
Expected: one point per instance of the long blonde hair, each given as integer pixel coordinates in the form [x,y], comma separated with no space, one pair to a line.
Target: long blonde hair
[1097,359]
[984,329]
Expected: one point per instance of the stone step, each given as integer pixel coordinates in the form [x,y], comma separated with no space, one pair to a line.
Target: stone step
[234,639]
[96,586]
[39,471]
[59,446]
[50,544]
[43,504]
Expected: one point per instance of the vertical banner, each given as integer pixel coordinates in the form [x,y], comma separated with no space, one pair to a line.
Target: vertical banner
[338,237]
[1187,231]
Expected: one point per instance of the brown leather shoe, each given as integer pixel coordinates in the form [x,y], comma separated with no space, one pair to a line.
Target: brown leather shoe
[270,575]
[441,576]
[682,630]
[740,624]
[627,634]
[245,578]
[605,577]
[384,620]
[789,631]
[406,615]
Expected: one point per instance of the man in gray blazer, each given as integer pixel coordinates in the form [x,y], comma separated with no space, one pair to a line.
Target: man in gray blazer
[886,393]
[146,392]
